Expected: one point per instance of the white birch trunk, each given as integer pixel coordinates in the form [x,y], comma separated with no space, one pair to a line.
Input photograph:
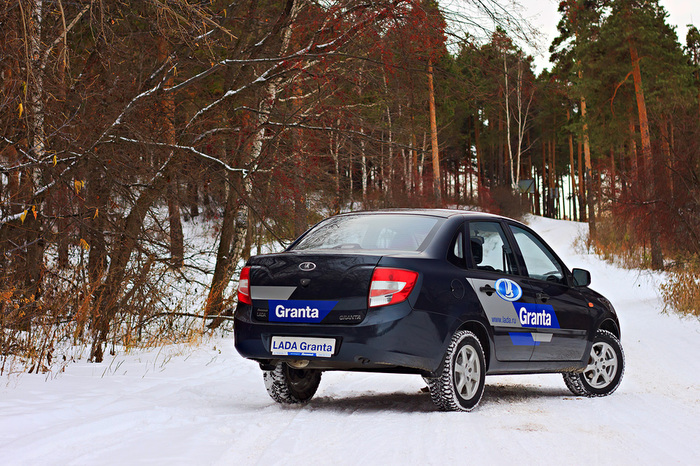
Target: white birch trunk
[363,167]
[267,103]
[507,95]
[335,153]
[36,94]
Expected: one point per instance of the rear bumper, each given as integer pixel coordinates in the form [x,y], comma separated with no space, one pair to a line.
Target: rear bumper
[391,338]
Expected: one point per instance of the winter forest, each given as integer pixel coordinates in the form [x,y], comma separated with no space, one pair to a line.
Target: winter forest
[125,123]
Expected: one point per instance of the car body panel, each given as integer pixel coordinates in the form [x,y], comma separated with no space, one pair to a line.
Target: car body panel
[450,294]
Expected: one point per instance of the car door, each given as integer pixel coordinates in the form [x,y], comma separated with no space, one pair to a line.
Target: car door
[557,314]
[495,278]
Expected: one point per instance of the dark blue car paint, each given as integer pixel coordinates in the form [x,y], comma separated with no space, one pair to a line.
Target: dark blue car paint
[412,336]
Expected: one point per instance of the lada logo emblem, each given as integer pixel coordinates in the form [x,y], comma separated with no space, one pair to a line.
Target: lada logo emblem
[508,289]
[307,266]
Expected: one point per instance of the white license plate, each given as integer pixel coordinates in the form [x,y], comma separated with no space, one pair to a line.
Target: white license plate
[303,346]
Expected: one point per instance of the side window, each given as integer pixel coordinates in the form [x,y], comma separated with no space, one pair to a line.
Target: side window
[455,254]
[540,262]
[489,248]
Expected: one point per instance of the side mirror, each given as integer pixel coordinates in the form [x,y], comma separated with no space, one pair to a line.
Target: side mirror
[581,277]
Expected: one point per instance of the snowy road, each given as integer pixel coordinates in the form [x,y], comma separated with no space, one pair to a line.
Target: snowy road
[209,406]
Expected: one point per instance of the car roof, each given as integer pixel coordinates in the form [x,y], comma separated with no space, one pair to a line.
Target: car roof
[444,213]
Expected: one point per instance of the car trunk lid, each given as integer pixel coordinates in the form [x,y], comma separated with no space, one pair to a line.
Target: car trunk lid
[311,287]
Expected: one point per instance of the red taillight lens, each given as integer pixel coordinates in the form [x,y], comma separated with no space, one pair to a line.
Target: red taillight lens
[390,286]
[244,287]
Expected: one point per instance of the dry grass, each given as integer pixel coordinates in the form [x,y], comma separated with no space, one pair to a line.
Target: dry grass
[622,245]
[45,334]
[681,292]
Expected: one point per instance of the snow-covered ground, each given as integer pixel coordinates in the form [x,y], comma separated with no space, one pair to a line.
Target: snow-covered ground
[207,405]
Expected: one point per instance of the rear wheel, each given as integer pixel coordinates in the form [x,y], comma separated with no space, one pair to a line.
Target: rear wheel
[460,385]
[602,375]
[287,385]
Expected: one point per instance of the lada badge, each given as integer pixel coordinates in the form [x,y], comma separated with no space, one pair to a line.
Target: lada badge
[509,290]
[307,266]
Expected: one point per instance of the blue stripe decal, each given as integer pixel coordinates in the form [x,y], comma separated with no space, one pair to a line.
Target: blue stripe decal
[523,339]
[533,315]
[309,312]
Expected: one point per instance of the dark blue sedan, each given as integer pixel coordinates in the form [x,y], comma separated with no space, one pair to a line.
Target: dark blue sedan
[447,294]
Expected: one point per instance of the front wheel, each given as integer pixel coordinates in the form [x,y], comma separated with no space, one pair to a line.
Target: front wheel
[287,385]
[460,385]
[602,375]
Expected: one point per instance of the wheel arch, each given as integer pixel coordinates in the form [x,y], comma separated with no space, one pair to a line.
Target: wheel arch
[478,329]
[611,326]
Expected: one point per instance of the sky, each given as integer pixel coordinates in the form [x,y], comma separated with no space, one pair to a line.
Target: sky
[543,15]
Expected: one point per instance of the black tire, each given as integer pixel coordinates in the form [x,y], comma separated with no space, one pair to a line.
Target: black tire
[434,389]
[603,374]
[287,385]
[460,385]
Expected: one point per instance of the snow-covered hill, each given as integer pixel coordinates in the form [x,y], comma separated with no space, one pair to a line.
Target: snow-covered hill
[208,406]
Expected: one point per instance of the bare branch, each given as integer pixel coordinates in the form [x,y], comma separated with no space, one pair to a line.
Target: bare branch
[62,36]
[186,148]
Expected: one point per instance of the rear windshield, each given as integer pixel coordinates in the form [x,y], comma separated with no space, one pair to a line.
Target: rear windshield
[396,232]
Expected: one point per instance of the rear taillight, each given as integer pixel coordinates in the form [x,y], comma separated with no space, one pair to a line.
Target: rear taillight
[390,286]
[244,287]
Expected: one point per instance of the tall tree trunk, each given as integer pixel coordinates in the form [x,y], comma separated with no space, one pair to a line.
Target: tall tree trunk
[508,142]
[237,218]
[479,155]
[588,174]
[414,160]
[633,150]
[554,194]
[545,182]
[500,162]
[613,182]
[581,184]
[667,163]
[386,187]
[335,154]
[98,191]
[36,84]
[654,234]
[167,103]
[300,211]
[538,210]
[572,171]
[232,233]
[193,193]
[31,177]
[434,138]
[107,294]
[363,168]
[421,163]
[61,208]
[697,80]
[300,208]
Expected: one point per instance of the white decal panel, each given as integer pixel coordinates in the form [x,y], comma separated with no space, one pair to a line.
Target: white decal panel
[271,292]
[501,313]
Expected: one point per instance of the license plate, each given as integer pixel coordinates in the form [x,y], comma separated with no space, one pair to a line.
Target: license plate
[303,346]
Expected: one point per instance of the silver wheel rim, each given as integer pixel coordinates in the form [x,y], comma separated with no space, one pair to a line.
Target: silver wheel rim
[467,372]
[602,365]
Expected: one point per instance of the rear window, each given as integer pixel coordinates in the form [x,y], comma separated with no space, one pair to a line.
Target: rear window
[396,232]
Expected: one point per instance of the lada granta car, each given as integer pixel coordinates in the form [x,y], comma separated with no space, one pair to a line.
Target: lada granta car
[450,295]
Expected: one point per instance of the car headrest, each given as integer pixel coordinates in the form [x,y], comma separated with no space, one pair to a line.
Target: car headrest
[477,244]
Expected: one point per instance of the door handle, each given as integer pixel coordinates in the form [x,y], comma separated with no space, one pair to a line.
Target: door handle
[542,297]
[488,289]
